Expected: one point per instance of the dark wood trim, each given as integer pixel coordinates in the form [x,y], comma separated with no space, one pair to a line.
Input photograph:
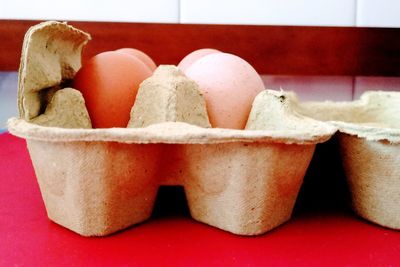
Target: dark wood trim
[294,50]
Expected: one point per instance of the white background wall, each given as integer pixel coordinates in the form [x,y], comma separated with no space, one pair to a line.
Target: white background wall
[363,13]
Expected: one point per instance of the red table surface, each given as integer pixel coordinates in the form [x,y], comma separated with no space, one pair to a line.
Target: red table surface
[28,238]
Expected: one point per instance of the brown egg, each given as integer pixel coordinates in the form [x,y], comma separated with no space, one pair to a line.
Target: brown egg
[109,83]
[229,85]
[189,59]
[139,55]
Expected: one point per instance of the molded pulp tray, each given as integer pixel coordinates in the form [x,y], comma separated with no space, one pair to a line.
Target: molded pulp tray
[98,181]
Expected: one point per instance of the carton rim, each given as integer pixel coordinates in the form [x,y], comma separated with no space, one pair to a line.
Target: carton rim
[168,133]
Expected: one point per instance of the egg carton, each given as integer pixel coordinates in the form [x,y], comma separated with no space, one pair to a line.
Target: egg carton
[99,181]
[369,144]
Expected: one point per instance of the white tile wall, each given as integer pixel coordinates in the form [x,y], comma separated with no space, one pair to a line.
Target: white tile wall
[378,13]
[289,12]
[313,88]
[363,84]
[92,10]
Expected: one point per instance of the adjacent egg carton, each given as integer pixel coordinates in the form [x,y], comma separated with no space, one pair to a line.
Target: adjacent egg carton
[98,181]
[369,140]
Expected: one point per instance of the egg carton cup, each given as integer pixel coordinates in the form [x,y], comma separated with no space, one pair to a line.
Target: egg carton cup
[99,181]
[369,140]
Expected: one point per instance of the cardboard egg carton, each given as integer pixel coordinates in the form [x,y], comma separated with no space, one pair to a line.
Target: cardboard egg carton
[369,138]
[99,181]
